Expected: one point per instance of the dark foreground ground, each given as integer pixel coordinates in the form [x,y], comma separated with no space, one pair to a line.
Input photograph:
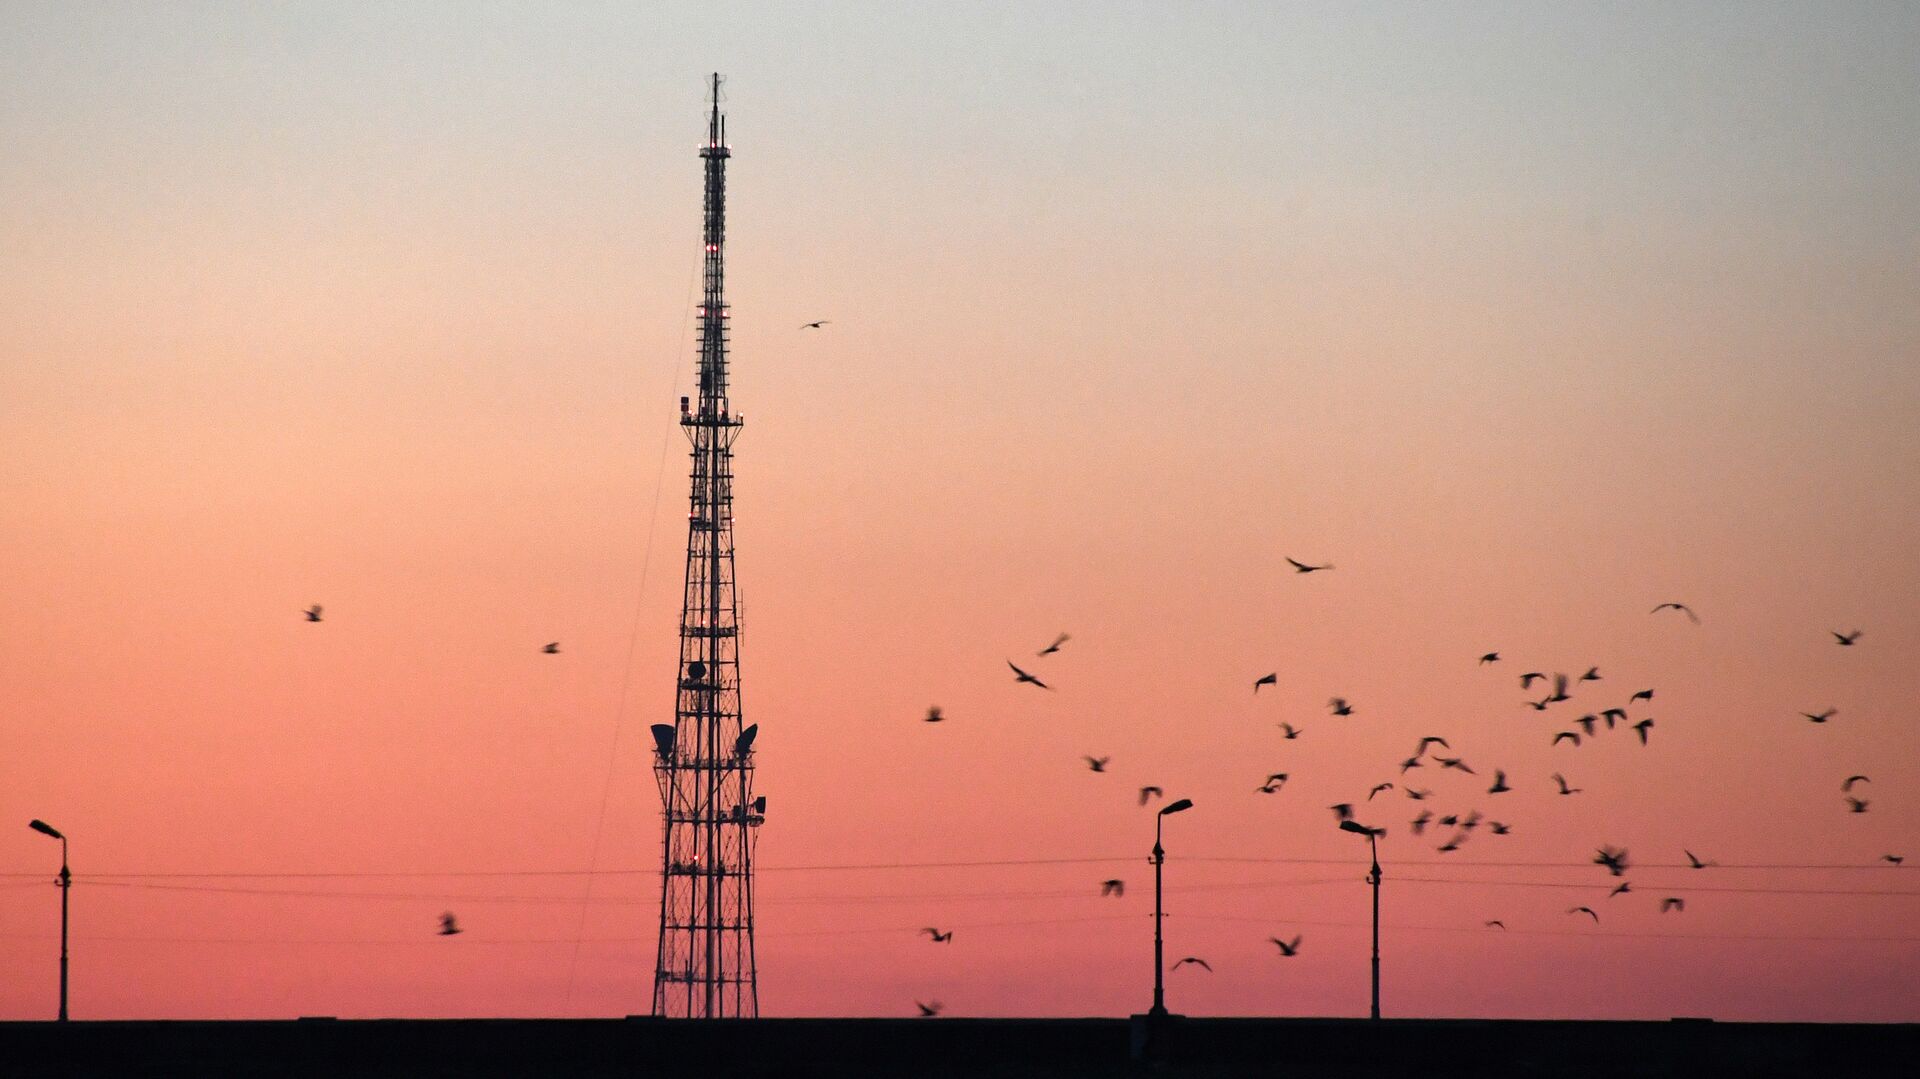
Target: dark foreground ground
[790,1048]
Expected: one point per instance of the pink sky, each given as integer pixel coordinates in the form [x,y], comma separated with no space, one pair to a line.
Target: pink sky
[1524,325]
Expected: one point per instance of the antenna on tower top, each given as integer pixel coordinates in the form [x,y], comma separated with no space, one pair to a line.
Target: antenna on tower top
[716,124]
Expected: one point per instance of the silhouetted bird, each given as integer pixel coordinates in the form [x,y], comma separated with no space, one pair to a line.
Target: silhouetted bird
[1612,715]
[1453,844]
[1641,728]
[552,648]
[1846,639]
[1858,805]
[1615,859]
[1450,820]
[1277,779]
[1623,887]
[1822,717]
[1677,607]
[1643,695]
[938,937]
[1377,788]
[1499,829]
[1851,780]
[1196,961]
[1055,646]
[448,926]
[1343,810]
[1289,730]
[816,325]
[1151,792]
[1288,948]
[1672,902]
[1113,887]
[1565,735]
[1431,739]
[1496,924]
[1098,764]
[1587,724]
[935,715]
[1592,675]
[1541,704]
[1695,861]
[1526,680]
[1302,567]
[312,613]
[929,1009]
[1456,764]
[1559,688]
[1472,821]
[1340,706]
[1420,822]
[1490,657]
[1409,764]
[1266,680]
[1564,789]
[1418,794]
[1894,859]
[1588,911]
[1021,677]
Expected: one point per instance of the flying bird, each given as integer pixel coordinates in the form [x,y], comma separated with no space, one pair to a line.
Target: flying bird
[448,926]
[1846,639]
[1418,794]
[1454,843]
[552,648]
[1851,780]
[1021,677]
[1526,680]
[1456,764]
[1272,679]
[1113,887]
[1098,764]
[1612,715]
[1302,567]
[1340,706]
[934,715]
[1587,724]
[1588,911]
[1643,695]
[1496,924]
[1822,717]
[1290,731]
[816,325]
[1615,859]
[1409,763]
[1858,805]
[1672,902]
[938,936]
[1559,688]
[1564,789]
[1420,822]
[1624,886]
[1640,729]
[312,613]
[1592,675]
[1567,734]
[1055,646]
[1541,704]
[1343,810]
[1196,961]
[1695,861]
[1277,780]
[1490,657]
[1892,859]
[1288,948]
[1498,828]
[1151,792]
[1688,611]
[1429,740]
[1378,787]
[928,1009]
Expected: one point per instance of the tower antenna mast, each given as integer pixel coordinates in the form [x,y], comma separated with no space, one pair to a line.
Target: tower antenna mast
[704,967]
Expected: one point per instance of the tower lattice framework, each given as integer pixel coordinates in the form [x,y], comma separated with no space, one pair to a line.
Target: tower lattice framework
[704,760]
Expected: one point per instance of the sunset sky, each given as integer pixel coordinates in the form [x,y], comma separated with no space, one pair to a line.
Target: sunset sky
[1525,317]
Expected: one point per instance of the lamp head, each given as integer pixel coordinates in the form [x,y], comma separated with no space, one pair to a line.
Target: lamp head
[45,829]
[1355,827]
[1175,807]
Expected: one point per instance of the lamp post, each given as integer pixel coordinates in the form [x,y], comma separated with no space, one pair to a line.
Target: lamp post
[65,883]
[1373,878]
[1159,958]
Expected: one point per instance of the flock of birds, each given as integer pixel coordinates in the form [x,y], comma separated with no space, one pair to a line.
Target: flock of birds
[1453,828]
[1457,827]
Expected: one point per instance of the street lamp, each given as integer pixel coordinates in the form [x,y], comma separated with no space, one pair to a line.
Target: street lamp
[1373,878]
[1159,958]
[66,884]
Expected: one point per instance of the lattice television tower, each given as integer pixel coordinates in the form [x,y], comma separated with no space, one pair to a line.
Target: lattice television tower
[704,759]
